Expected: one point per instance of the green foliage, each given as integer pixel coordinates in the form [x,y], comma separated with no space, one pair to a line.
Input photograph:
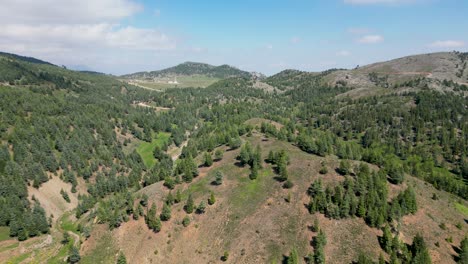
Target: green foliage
[364,196]
[293,257]
[186,221]
[65,238]
[212,199]
[178,197]
[344,168]
[419,251]
[463,256]
[225,256]
[201,207]
[189,205]
[208,160]
[165,213]
[74,255]
[65,195]
[319,243]
[152,221]
[121,259]
[218,178]
[218,154]
[193,68]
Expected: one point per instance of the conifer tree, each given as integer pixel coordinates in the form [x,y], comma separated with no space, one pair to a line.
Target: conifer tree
[212,199]
[208,160]
[165,213]
[201,207]
[74,255]
[189,206]
[121,259]
[463,257]
[178,197]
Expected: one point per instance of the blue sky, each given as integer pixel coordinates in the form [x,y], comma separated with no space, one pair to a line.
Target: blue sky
[122,36]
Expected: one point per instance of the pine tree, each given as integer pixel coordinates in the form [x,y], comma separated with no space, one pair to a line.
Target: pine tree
[165,213]
[189,206]
[271,157]
[253,172]
[419,251]
[74,255]
[463,257]
[218,155]
[153,222]
[201,207]
[170,199]
[257,161]
[245,154]
[121,259]
[65,238]
[208,160]
[212,199]
[186,221]
[381,259]
[293,257]
[218,178]
[144,200]
[386,239]
[178,197]
[344,168]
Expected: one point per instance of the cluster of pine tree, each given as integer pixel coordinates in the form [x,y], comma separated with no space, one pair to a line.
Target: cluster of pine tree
[416,253]
[251,157]
[281,161]
[364,196]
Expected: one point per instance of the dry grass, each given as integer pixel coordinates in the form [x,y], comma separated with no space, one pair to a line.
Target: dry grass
[253,222]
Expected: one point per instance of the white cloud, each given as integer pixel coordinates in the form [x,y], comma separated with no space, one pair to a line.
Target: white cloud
[371,39]
[66,12]
[295,40]
[86,32]
[269,46]
[343,53]
[447,44]
[372,2]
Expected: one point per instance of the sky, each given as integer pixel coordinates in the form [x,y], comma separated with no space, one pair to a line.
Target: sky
[125,36]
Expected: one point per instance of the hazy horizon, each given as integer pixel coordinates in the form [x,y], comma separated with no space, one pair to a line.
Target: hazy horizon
[126,36]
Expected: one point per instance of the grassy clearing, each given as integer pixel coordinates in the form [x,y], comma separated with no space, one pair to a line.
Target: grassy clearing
[145,149]
[62,254]
[4,233]
[104,251]
[251,191]
[183,82]
[200,187]
[19,259]
[9,247]
[67,225]
[463,209]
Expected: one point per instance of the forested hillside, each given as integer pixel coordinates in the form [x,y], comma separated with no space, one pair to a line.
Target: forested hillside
[315,170]
[192,68]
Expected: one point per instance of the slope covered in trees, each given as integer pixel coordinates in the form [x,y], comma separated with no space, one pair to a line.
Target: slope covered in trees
[352,161]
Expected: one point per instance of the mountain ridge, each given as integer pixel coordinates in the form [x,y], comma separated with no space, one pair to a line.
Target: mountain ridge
[190,68]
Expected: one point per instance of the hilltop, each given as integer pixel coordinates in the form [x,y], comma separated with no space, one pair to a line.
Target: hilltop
[433,67]
[190,69]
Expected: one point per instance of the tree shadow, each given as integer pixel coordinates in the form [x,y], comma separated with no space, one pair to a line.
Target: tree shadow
[239,164]
[456,258]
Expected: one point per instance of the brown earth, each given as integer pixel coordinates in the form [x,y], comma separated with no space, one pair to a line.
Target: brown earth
[254,223]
